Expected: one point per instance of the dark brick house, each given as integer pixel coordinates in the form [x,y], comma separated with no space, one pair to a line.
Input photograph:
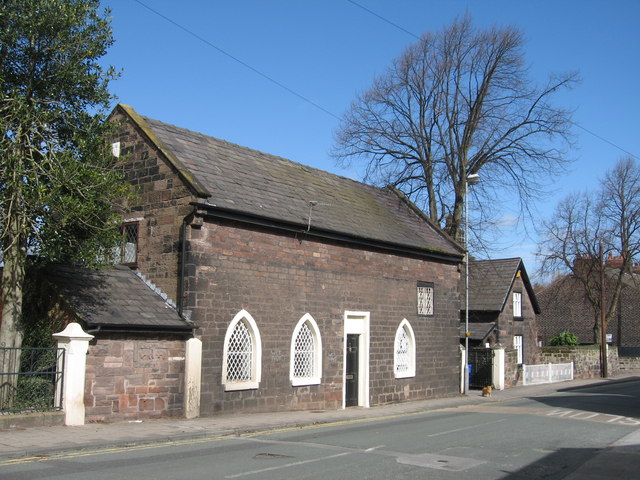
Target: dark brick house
[566,308]
[309,290]
[502,307]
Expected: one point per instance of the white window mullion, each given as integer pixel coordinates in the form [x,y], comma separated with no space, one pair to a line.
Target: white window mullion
[404,355]
[241,361]
[306,353]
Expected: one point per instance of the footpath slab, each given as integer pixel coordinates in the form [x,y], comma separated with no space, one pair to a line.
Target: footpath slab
[37,440]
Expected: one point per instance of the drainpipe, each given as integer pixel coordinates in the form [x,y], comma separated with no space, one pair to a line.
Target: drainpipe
[183,259]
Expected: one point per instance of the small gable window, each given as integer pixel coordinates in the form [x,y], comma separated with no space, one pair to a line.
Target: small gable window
[404,355]
[241,367]
[306,353]
[425,298]
[517,304]
[129,250]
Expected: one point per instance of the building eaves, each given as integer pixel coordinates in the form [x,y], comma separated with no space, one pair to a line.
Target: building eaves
[256,185]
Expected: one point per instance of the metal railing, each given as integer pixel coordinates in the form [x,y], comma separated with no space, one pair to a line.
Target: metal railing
[546,373]
[31,379]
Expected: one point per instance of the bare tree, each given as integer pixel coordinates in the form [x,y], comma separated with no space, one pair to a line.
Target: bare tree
[456,103]
[589,226]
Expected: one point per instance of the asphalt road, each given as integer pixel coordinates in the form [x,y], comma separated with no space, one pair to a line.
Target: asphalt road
[549,437]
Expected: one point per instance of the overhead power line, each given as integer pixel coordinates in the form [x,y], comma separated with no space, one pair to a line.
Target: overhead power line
[386,20]
[237,60]
[605,140]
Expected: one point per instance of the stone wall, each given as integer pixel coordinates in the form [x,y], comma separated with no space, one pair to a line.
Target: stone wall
[512,371]
[586,360]
[162,201]
[279,277]
[134,378]
[629,364]
[508,326]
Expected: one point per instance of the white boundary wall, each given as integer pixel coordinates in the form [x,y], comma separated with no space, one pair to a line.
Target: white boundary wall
[546,373]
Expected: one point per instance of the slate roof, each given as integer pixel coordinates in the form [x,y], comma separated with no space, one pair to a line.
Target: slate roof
[235,178]
[490,282]
[115,297]
[478,331]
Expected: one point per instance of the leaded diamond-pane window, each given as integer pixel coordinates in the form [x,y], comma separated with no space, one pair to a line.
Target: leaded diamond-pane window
[304,353]
[240,354]
[129,253]
[402,352]
[425,299]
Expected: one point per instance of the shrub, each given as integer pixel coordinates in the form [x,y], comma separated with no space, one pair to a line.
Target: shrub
[563,338]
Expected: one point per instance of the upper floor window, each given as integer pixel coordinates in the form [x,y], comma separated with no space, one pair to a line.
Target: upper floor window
[128,254]
[306,353]
[517,304]
[425,298]
[241,361]
[404,355]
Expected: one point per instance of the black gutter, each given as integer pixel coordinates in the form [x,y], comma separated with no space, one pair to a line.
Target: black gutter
[183,330]
[229,214]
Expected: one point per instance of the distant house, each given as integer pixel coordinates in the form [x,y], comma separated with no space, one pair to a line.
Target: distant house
[309,290]
[502,307]
[566,308]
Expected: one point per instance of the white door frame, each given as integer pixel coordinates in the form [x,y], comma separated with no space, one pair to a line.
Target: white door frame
[357,323]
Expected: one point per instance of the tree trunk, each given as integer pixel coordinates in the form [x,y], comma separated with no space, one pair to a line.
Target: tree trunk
[13,274]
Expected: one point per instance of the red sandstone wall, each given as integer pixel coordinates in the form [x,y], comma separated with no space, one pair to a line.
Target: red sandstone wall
[279,277]
[134,379]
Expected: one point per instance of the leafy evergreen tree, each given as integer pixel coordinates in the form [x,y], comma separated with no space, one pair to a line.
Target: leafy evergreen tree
[58,179]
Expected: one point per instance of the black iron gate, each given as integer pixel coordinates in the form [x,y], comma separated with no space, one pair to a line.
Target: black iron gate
[31,379]
[480,367]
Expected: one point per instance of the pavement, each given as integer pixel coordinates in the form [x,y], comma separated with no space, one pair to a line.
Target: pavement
[42,441]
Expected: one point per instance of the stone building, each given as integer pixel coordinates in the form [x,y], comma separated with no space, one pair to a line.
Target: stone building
[502,307]
[309,290]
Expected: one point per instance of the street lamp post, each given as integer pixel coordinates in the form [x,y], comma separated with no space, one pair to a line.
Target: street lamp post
[471,179]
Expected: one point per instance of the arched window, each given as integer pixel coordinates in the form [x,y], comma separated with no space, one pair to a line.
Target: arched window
[404,355]
[241,362]
[306,353]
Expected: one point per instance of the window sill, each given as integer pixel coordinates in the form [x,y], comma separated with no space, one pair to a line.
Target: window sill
[229,387]
[301,382]
[405,375]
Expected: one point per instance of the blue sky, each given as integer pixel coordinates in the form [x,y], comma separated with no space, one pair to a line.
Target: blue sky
[328,50]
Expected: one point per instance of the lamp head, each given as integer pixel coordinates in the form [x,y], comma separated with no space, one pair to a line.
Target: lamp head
[473,178]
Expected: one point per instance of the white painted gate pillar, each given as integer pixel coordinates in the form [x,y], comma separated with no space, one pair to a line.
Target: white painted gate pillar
[192,377]
[75,343]
[462,368]
[498,368]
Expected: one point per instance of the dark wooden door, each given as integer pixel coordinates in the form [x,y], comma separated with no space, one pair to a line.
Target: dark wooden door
[351,378]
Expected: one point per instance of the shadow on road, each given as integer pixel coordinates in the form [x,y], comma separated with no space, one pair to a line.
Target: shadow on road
[556,465]
[621,399]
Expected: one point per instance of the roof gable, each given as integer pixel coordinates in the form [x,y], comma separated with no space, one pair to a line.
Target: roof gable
[490,282]
[253,183]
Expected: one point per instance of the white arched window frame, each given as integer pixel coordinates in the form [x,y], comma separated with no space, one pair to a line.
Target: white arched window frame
[305,366]
[404,351]
[242,355]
